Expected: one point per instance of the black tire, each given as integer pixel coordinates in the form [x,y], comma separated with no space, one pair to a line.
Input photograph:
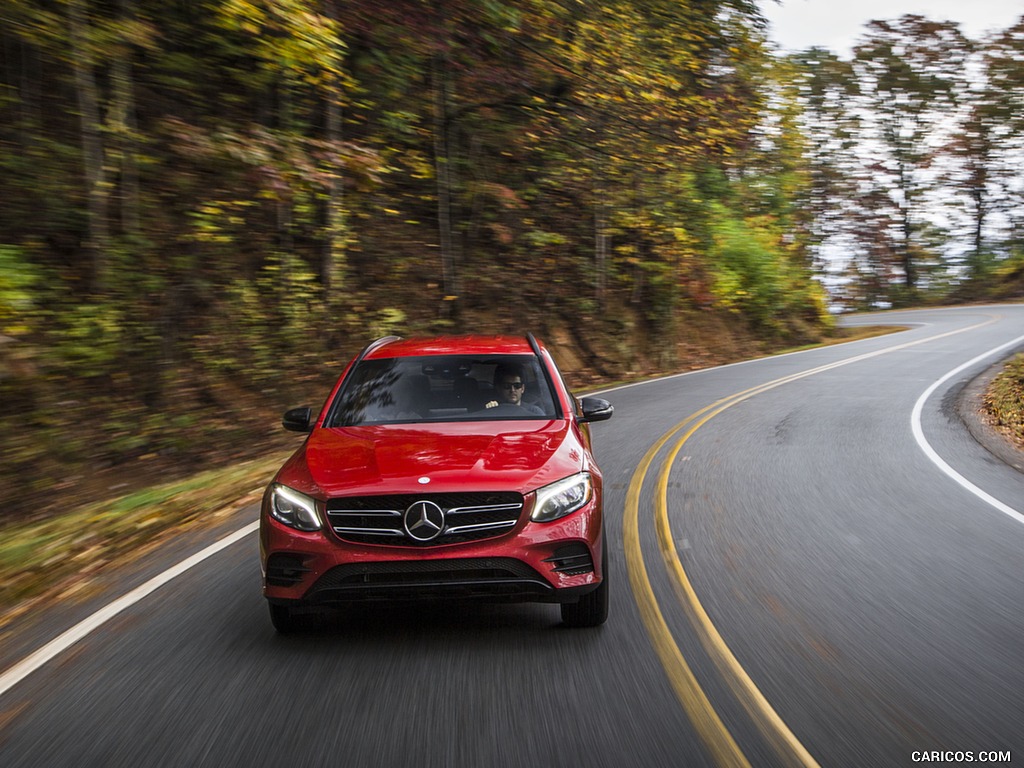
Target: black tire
[592,609]
[284,619]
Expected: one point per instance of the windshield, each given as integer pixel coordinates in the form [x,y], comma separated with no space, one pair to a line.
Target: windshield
[403,390]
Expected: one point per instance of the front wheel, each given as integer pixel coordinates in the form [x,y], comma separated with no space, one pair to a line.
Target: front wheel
[592,609]
[285,619]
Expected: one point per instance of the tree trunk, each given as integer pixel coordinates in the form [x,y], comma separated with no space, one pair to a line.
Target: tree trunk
[600,255]
[93,154]
[131,194]
[980,210]
[123,128]
[442,163]
[907,250]
[909,270]
[333,267]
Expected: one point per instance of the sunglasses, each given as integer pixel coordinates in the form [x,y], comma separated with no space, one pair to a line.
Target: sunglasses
[513,385]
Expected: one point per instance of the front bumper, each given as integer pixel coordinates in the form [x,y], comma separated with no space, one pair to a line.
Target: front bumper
[534,562]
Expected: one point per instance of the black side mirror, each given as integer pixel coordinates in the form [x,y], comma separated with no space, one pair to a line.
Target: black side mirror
[298,419]
[595,409]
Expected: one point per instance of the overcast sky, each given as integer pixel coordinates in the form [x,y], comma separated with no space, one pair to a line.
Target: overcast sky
[837,24]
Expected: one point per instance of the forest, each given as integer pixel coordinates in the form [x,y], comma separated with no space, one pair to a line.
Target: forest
[210,205]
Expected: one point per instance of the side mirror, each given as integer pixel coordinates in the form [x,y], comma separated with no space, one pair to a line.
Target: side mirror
[298,419]
[595,409]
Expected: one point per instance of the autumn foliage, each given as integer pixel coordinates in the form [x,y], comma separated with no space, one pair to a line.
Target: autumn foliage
[210,204]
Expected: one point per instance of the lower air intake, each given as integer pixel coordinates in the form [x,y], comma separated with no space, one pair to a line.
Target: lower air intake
[572,559]
[285,570]
[493,577]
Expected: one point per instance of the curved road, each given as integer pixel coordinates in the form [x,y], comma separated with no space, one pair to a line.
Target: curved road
[813,563]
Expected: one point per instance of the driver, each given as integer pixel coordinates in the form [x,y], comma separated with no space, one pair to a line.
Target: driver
[509,387]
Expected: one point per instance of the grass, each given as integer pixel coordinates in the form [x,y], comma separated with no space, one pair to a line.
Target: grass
[60,555]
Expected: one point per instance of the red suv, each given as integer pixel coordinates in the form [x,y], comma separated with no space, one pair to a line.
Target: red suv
[456,467]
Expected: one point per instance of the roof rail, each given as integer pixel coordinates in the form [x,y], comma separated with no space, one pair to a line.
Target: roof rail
[544,369]
[374,345]
[533,344]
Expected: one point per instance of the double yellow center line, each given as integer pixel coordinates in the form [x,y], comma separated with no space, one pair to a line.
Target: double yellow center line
[702,714]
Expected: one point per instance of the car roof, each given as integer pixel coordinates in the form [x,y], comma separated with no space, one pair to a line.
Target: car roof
[451,345]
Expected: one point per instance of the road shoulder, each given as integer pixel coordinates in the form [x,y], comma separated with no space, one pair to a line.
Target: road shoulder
[971,410]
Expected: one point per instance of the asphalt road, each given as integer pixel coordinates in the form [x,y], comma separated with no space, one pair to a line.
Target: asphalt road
[824,567]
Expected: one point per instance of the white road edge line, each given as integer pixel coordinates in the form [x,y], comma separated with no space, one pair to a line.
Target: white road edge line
[59,644]
[915,425]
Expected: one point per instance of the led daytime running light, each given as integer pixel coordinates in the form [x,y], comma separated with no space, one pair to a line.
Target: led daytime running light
[294,509]
[562,498]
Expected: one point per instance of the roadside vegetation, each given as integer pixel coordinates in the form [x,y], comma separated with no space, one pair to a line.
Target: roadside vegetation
[61,555]
[1004,401]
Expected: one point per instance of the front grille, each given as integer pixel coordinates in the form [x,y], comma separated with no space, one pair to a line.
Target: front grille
[467,517]
[491,577]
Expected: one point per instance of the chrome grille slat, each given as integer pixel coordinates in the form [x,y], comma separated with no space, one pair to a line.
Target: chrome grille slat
[388,512]
[369,531]
[485,508]
[454,529]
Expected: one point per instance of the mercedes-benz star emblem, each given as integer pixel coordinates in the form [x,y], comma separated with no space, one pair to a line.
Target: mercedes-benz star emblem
[423,521]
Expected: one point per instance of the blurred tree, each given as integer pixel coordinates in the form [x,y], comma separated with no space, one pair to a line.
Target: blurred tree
[830,124]
[995,147]
[911,72]
[650,95]
[83,64]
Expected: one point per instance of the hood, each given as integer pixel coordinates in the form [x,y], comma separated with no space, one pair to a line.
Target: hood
[488,455]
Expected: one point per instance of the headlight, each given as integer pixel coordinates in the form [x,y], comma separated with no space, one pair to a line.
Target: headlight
[294,509]
[562,498]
